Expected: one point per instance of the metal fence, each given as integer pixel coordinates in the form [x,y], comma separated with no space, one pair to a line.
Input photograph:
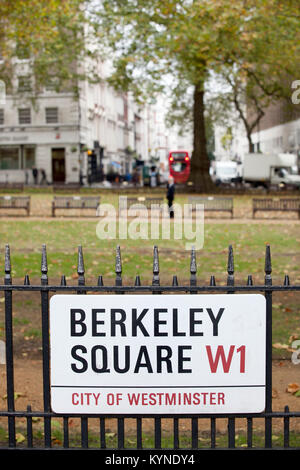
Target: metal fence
[45,290]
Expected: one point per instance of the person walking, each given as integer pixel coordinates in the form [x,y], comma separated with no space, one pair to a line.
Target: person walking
[35,175]
[44,177]
[170,195]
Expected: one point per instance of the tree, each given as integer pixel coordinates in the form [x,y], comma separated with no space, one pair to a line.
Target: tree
[187,40]
[50,35]
[263,72]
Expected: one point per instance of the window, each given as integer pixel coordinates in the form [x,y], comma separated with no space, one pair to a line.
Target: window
[52,84]
[24,116]
[1,117]
[9,158]
[29,157]
[51,115]
[24,84]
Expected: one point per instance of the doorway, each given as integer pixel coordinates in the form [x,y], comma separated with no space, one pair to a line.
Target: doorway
[58,165]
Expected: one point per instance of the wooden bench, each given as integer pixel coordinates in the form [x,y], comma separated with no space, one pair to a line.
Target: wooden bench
[75,202]
[269,204]
[126,203]
[66,187]
[212,203]
[12,186]
[15,203]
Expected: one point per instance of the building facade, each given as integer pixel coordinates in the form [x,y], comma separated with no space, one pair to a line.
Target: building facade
[68,139]
[99,134]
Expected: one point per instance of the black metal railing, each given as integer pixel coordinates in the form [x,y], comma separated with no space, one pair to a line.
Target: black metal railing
[46,289]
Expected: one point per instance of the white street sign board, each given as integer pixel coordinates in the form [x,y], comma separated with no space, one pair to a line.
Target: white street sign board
[167,354]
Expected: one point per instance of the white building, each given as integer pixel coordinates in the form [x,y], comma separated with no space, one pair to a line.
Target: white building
[80,139]
[66,137]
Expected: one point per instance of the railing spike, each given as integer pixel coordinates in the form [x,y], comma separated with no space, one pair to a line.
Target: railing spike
[26,280]
[175,281]
[193,268]
[100,281]
[249,280]
[268,266]
[268,263]
[118,260]
[80,262]
[230,267]
[155,260]
[7,262]
[63,281]
[230,264]
[118,267]
[155,280]
[286,280]
[137,281]
[212,281]
[193,265]
[44,266]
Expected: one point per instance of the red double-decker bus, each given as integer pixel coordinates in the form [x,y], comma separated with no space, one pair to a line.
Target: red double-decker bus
[179,165]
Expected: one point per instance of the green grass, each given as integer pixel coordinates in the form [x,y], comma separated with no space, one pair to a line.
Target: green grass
[62,237]
[148,441]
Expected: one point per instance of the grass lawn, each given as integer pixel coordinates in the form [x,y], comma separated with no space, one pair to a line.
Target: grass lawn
[248,238]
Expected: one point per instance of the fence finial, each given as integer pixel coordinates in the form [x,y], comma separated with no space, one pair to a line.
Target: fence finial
[230,267]
[7,263]
[268,266]
[118,260]
[249,280]
[137,281]
[193,268]
[26,280]
[100,281]
[230,264]
[63,281]
[286,280]
[80,262]
[175,281]
[44,264]
[155,266]
[118,266]
[268,263]
[212,281]
[193,265]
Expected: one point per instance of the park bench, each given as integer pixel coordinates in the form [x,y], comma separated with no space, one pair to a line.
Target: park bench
[15,203]
[282,205]
[66,187]
[75,202]
[125,203]
[212,203]
[12,186]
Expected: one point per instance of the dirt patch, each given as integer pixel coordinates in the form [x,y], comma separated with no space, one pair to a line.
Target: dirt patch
[29,391]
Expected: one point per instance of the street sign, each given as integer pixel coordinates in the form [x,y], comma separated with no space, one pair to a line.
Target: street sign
[166,354]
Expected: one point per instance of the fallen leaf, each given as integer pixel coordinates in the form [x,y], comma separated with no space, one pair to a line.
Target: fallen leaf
[280,346]
[274,393]
[20,438]
[293,388]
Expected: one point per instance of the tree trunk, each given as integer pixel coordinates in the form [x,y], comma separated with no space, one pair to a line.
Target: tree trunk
[250,143]
[200,164]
